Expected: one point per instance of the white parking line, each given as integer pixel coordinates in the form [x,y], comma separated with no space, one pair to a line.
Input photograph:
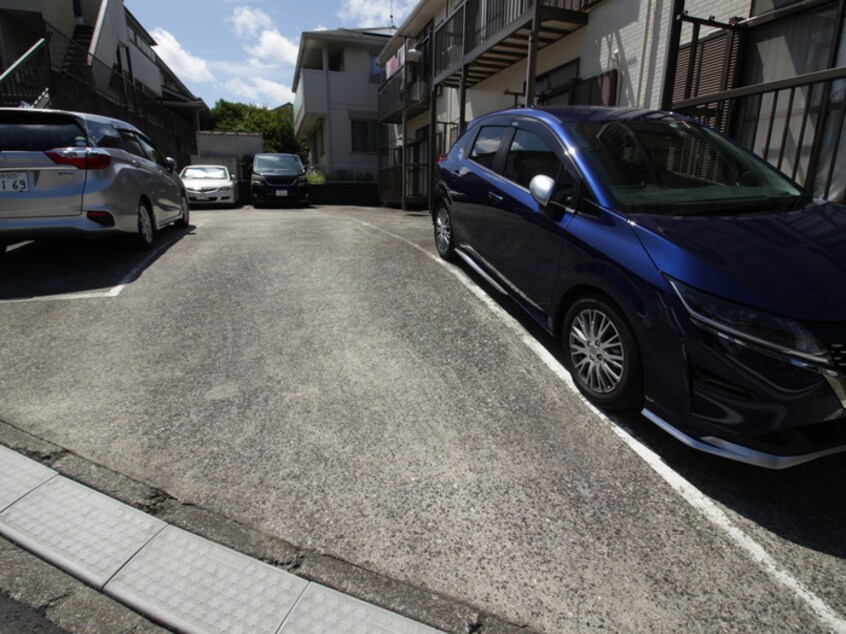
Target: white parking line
[110,292]
[693,496]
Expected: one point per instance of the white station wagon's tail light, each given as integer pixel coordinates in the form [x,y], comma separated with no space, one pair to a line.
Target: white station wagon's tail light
[81,158]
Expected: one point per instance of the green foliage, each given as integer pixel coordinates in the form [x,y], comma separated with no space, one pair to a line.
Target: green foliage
[316,177]
[275,126]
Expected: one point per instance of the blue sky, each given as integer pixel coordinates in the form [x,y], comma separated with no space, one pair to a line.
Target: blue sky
[246,50]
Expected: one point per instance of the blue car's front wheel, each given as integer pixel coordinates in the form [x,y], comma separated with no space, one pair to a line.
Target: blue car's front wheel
[602,354]
[443,232]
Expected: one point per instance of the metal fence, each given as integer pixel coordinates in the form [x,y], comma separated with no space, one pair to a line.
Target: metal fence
[797,124]
[324,174]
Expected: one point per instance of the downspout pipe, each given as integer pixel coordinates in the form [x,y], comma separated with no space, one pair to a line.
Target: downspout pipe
[673,43]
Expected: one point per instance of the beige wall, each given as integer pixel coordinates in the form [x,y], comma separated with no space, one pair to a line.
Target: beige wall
[217,145]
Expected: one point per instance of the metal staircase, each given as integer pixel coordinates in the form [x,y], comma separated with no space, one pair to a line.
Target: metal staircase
[28,80]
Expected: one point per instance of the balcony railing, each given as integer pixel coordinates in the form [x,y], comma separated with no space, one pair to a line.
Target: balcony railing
[416,184]
[324,174]
[495,31]
[26,81]
[400,95]
[60,73]
[797,124]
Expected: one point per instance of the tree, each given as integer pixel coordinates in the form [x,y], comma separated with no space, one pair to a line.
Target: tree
[275,126]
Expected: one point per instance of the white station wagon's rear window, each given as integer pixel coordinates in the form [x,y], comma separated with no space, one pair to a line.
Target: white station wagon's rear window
[37,132]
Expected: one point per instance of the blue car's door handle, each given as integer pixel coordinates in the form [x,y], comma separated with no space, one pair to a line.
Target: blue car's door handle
[495,197]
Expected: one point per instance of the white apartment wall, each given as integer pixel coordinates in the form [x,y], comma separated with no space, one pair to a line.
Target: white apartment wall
[350,95]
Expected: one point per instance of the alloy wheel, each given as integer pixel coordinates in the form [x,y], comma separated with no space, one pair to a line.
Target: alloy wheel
[597,352]
[443,232]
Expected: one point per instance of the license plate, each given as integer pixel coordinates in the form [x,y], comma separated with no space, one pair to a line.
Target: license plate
[281,192]
[14,182]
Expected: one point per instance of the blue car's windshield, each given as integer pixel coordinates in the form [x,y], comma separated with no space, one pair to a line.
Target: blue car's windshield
[675,167]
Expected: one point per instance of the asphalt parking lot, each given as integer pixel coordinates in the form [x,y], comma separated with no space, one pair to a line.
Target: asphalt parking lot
[317,388]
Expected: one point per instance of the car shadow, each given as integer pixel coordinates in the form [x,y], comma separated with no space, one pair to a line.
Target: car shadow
[802,504]
[65,266]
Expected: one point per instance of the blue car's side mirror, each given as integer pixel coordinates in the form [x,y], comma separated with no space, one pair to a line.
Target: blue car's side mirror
[541,187]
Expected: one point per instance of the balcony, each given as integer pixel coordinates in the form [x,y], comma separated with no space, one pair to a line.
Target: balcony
[311,103]
[402,94]
[495,35]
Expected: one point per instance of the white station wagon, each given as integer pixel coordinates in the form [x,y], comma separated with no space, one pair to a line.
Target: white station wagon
[64,173]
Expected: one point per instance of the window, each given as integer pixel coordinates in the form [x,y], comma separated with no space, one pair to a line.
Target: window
[141,45]
[365,136]
[530,156]
[794,46]
[554,86]
[130,143]
[150,152]
[487,145]
[666,166]
[104,135]
[336,59]
[377,73]
[33,131]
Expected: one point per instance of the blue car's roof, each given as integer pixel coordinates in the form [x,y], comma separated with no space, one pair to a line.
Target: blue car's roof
[574,114]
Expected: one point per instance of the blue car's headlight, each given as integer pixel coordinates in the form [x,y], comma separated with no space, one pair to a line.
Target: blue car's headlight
[751,325]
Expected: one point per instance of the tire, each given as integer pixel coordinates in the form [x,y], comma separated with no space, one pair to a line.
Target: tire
[444,241]
[602,354]
[185,218]
[146,229]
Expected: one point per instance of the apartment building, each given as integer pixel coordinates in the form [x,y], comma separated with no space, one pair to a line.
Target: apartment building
[94,56]
[771,73]
[336,81]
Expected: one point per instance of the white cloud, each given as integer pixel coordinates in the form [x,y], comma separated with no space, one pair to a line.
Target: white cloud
[178,59]
[260,91]
[372,13]
[262,40]
[275,93]
[248,22]
[274,47]
[239,87]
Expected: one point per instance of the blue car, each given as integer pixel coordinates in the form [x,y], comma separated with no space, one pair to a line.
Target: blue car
[683,275]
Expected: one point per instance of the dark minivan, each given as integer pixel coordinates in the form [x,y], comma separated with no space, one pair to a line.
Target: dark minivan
[278,179]
[684,276]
